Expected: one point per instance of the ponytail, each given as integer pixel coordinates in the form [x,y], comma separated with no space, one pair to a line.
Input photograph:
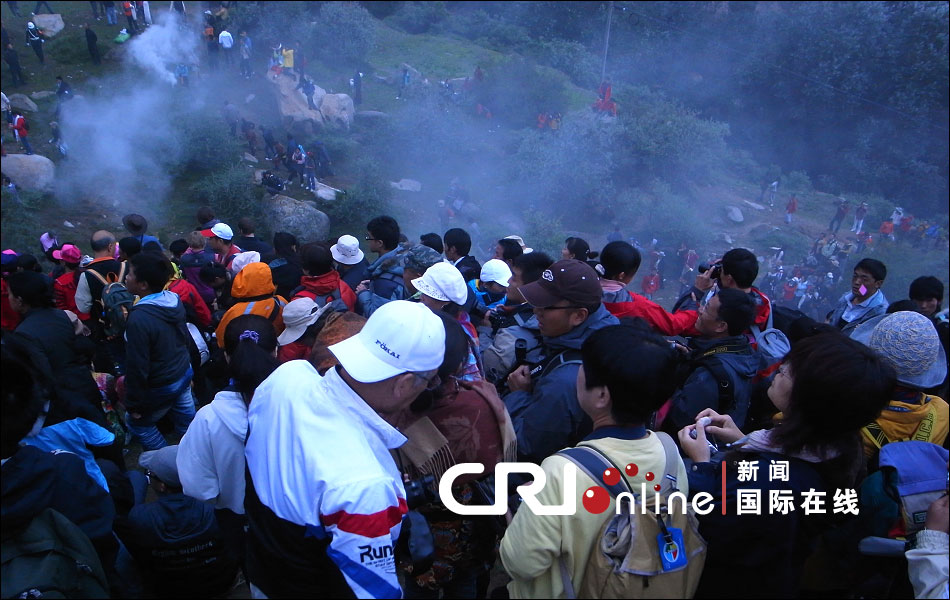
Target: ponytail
[250,341]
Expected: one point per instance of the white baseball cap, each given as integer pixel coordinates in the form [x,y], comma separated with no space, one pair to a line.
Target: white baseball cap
[443,282]
[243,259]
[220,230]
[346,250]
[496,270]
[298,315]
[524,247]
[400,337]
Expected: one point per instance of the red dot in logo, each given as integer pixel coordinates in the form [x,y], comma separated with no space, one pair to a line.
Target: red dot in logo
[596,500]
[631,469]
[649,476]
[611,477]
[656,487]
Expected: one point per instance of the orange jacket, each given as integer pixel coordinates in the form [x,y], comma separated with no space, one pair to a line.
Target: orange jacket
[253,291]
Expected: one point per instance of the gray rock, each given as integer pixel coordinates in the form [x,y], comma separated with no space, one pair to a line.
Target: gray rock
[725,237]
[258,176]
[50,24]
[754,205]
[30,172]
[371,114]
[249,98]
[68,225]
[337,110]
[22,102]
[250,157]
[292,104]
[42,94]
[300,218]
[407,185]
[734,214]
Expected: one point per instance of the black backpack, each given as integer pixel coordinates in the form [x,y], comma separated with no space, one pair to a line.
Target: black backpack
[117,301]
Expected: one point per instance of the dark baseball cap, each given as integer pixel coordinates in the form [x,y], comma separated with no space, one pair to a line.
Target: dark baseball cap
[571,280]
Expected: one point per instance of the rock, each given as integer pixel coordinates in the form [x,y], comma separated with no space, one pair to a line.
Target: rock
[22,102]
[69,225]
[337,110]
[293,104]
[300,218]
[371,114]
[725,237]
[42,94]
[258,176]
[250,157]
[325,193]
[50,24]
[249,98]
[30,172]
[407,185]
[754,205]
[734,214]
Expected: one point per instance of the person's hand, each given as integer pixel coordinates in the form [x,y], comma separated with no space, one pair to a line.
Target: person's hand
[938,515]
[363,286]
[680,348]
[703,281]
[721,427]
[520,379]
[697,449]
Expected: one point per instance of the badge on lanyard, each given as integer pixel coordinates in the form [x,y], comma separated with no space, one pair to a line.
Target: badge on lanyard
[671,547]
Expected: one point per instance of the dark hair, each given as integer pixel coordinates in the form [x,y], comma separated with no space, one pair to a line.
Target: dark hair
[839,385]
[178,247]
[742,265]
[873,266]
[459,239]
[36,289]
[28,262]
[637,366]
[925,288]
[315,258]
[619,257]
[211,271]
[456,352]
[251,359]
[284,244]
[532,265]
[385,229]
[901,305]
[153,269]
[153,247]
[26,390]
[510,249]
[130,246]
[98,244]
[204,214]
[433,241]
[736,310]
[246,225]
[579,248]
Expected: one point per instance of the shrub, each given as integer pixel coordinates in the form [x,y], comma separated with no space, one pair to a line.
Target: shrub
[207,144]
[516,90]
[368,197]
[345,31]
[485,29]
[231,193]
[570,57]
[796,181]
[22,225]
[418,17]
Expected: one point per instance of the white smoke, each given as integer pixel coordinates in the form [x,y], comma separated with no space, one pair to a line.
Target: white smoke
[163,46]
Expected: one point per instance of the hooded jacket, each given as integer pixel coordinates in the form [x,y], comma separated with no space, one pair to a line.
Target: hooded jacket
[549,417]
[874,306]
[910,415]
[701,390]
[211,454]
[386,274]
[500,357]
[253,294]
[320,288]
[157,360]
[191,263]
[622,303]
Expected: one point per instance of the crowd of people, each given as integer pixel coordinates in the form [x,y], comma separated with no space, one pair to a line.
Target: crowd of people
[298,403]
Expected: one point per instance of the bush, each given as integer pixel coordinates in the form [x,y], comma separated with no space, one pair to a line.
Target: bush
[485,29]
[231,193]
[796,181]
[207,143]
[345,31]
[369,197]
[516,90]
[418,17]
[22,225]
[570,57]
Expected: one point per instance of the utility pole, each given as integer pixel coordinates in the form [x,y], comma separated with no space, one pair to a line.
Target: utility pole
[610,14]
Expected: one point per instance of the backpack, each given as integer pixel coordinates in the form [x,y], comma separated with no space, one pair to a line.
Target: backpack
[334,299]
[51,558]
[117,300]
[770,341]
[627,561]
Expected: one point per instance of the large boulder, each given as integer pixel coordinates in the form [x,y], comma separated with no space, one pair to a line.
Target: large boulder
[297,217]
[734,214]
[291,102]
[371,115]
[42,94]
[30,172]
[22,102]
[50,24]
[337,110]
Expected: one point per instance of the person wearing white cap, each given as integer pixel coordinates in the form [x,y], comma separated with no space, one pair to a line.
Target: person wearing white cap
[298,337]
[326,499]
[524,248]
[242,259]
[439,285]
[491,288]
[220,238]
[350,261]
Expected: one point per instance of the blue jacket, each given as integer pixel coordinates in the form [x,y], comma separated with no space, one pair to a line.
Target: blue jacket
[874,306]
[385,275]
[550,418]
[158,365]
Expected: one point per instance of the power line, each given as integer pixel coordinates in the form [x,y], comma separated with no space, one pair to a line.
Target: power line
[808,78]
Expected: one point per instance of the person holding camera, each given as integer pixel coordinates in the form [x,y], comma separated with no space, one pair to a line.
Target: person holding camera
[543,398]
[737,269]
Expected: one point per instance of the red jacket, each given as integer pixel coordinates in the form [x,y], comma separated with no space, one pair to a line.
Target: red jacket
[679,323]
[190,297]
[762,309]
[19,124]
[9,318]
[293,351]
[322,287]
[650,284]
[64,293]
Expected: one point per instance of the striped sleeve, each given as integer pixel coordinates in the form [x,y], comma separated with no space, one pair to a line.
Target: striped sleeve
[364,518]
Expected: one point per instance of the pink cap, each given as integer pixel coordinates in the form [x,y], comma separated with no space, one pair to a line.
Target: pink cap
[68,253]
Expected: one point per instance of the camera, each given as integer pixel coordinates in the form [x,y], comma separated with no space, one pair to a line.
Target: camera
[420,492]
[714,270]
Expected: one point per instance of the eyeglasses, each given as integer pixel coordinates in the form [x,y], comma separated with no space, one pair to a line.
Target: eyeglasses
[546,308]
[432,383]
[369,239]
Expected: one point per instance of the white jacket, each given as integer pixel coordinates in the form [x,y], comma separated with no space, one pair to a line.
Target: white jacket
[927,564]
[211,454]
[226,41]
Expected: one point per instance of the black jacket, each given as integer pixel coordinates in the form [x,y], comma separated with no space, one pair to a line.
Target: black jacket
[355,274]
[66,357]
[469,268]
[156,351]
[253,244]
